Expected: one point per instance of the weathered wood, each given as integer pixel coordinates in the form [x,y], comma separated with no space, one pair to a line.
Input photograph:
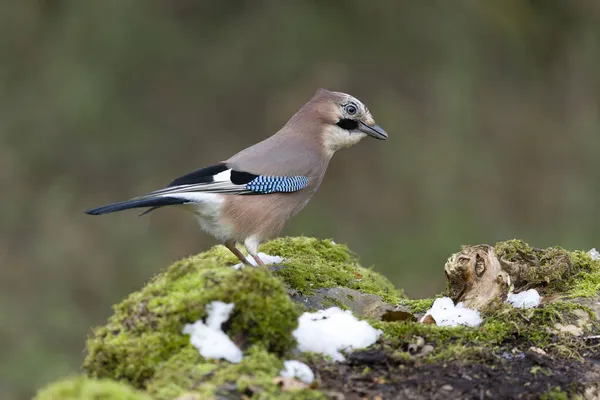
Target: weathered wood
[475,277]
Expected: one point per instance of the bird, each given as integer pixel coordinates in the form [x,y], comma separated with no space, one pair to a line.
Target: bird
[247,199]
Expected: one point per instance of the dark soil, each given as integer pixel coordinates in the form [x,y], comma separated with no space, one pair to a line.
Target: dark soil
[373,374]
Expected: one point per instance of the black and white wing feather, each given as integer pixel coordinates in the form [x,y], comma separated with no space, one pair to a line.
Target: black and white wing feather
[218,179]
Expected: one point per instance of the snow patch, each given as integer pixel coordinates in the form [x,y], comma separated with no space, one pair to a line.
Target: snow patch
[298,370]
[208,337]
[594,254]
[267,259]
[527,299]
[445,313]
[332,330]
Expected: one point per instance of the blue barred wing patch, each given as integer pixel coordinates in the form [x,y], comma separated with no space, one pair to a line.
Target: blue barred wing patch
[274,184]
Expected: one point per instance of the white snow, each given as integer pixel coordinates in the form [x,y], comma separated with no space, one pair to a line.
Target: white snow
[331,330]
[527,299]
[445,313]
[267,259]
[594,254]
[208,337]
[298,370]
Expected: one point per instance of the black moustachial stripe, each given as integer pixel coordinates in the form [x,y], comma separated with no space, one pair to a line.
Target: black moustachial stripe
[347,124]
[203,175]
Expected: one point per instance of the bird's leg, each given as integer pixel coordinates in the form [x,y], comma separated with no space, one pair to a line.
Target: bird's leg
[251,246]
[231,246]
[259,262]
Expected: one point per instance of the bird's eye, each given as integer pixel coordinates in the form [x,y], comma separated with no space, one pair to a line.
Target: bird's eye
[351,109]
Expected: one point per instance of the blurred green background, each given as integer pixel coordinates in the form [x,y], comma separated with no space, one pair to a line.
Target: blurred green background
[492,108]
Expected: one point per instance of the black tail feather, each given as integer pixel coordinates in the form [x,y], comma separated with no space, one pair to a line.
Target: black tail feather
[137,203]
[150,210]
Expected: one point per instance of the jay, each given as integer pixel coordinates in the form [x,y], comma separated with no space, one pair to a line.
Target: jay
[248,198]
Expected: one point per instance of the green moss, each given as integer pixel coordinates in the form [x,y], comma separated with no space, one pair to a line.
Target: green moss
[331,302]
[506,327]
[418,306]
[145,329]
[187,372]
[142,343]
[83,388]
[555,394]
[511,249]
[569,273]
[313,264]
[180,373]
[402,332]
[586,283]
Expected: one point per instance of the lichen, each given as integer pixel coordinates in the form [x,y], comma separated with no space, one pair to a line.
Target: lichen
[311,264]
[145,329]
[84,388]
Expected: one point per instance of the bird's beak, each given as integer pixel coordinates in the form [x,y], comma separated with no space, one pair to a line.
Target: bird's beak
[373,130]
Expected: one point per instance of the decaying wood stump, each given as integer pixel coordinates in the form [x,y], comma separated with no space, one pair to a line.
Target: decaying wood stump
[475,277]
[481,275]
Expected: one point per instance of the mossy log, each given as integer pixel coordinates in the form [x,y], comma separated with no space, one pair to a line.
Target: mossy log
[481,275]
[551,351]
